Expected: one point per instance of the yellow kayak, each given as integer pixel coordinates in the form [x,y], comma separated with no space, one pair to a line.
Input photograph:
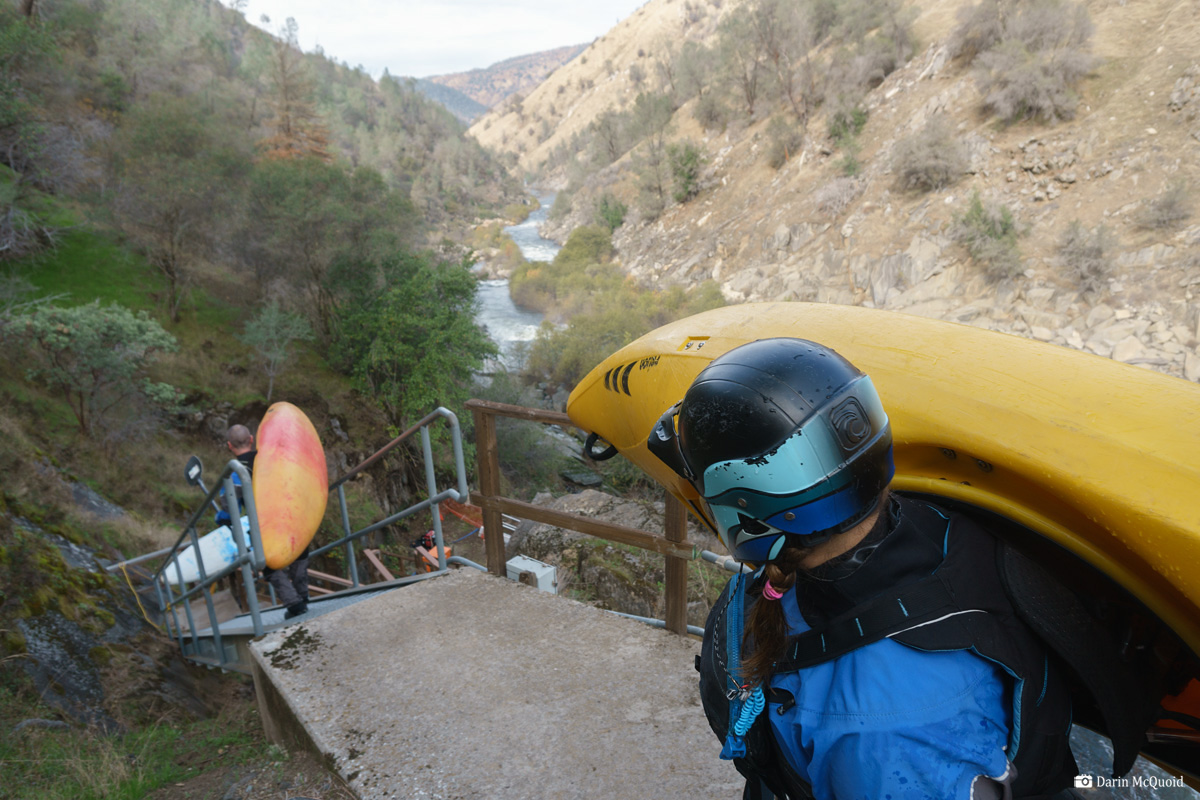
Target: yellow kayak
[1098,457]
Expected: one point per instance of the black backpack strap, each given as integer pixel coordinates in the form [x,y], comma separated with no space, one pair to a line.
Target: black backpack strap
[919,603]
[1062,621]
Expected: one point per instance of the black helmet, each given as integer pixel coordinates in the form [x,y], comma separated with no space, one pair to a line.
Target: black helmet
[780,437]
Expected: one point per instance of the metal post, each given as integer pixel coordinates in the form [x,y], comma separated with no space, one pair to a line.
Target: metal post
[239,540]
[351,563]
[676,568]
[431,483]
[489,488]
[187,607]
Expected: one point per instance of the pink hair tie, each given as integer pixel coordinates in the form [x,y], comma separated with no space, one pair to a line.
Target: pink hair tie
[771,593]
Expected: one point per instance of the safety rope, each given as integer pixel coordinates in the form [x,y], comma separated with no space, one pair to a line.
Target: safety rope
[138,598]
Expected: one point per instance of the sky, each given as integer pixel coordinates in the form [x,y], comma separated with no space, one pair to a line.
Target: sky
[419,38]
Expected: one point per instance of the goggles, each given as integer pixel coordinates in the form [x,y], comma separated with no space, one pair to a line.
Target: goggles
[809,485]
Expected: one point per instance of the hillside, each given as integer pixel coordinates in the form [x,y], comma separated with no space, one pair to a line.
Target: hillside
[197,220]
[492,85]
[834,223]
[457,103]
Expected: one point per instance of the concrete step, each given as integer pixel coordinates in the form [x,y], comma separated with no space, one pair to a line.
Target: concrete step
[472,686]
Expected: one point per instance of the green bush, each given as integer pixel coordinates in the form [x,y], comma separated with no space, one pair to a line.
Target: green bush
[96,358]
[610,212]
[581,268]
[989,232]
[612,320]
[685,159]
[561,207]
[846,124]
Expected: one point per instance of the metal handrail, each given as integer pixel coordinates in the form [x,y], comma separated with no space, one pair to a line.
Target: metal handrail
[459,493]
[250,559]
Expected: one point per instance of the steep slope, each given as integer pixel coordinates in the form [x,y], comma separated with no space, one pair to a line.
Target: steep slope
[808,232]
[596,80]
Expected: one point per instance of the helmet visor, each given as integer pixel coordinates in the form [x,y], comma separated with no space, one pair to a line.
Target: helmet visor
[806,485]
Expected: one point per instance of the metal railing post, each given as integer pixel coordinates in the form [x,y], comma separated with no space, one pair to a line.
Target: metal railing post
[351,563]
[489,486]
[431,484]
[239,539]
[187,607]
[676,568]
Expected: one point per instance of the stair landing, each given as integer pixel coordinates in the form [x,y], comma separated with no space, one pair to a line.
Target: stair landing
[470,686]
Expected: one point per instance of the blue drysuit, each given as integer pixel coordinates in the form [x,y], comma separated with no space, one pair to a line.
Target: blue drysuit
[888,722]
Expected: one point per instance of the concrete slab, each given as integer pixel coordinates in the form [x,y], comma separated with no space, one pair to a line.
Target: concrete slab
[469,686]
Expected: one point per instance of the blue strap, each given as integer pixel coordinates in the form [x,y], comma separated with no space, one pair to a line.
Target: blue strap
[742,712]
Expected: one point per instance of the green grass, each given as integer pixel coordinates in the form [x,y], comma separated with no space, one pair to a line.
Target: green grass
[79,764]
[88,266]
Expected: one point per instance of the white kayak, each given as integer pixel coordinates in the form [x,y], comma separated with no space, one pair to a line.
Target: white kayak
[217,550]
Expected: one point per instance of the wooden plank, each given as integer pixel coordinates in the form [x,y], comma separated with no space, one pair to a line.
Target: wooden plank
[428,556]
[588,525]
[373,557]
[518,412]
[676,568]
[489,484]
[334,579]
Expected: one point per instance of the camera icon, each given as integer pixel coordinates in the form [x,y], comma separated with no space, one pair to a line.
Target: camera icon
[1084,782]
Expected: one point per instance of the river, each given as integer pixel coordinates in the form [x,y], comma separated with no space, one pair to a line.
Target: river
[513,328]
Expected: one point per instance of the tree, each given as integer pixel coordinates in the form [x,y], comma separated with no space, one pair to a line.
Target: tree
[24,44]
[741,57]
[96,358]
[173,173]
[299,132]
[306,215]
[652,119]
[407,334]
[786,37]
[272,332]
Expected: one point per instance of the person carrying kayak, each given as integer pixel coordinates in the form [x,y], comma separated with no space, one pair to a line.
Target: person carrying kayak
[875,652]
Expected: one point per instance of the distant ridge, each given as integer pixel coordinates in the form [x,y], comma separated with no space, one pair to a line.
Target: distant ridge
[490,86]
[457,103]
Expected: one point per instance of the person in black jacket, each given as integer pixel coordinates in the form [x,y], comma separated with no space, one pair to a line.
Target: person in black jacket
[875,653]
[290,582]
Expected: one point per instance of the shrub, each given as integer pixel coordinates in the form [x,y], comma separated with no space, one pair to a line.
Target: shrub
[833,198]
[610,212]
[685,159]
[989,232]
[1031,70]
[97,358]
[786,140]
[930,159]
[1170,208]
[561,207]
[710,112]
[847,123]
[1086,254]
